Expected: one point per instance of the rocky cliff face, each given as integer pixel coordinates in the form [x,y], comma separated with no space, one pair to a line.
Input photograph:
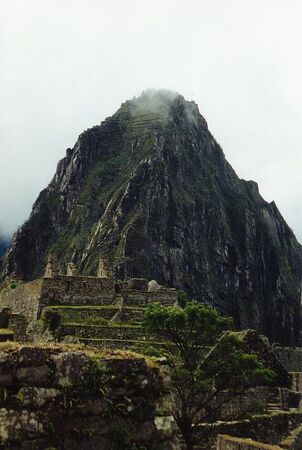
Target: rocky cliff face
[151,188]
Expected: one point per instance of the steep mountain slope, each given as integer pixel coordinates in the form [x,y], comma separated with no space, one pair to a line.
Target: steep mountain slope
[151,188]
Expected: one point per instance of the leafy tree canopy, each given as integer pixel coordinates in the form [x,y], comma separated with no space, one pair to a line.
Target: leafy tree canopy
[206,360]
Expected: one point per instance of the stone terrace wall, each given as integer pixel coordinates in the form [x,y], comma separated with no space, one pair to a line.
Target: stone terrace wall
[81,313]
[294,440]
[102,331]
[65,398]
[290,357]
[18,324]
[250,399]
[76,291]
[125,344]
[291,442]
[164,296]
[296,381]
[269,428]
[22,298]
[142,298]
[225,442]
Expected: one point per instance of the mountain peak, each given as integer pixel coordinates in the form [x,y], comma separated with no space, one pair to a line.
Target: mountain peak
[165,95]
[161,107]
[151,188]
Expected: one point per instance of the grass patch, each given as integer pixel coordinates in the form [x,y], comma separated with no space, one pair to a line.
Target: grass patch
[88,321]
[133,341]
[96,307]
[91,352]
[6,331]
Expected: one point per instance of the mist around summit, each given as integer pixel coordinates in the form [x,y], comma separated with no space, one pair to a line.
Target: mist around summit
[160,102]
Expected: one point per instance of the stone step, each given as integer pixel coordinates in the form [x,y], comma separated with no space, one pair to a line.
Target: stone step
[276,411]
[275,407]
[130,314]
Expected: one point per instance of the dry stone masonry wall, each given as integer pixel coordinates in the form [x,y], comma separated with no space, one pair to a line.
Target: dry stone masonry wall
[67,290]
[107,313]
[290,357]
[22,298]
[90,309]
[67,398]
[266,429]
[292,442]
[225,442]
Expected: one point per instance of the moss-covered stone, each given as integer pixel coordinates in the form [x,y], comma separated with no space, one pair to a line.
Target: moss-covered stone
[87,398]
[6,335]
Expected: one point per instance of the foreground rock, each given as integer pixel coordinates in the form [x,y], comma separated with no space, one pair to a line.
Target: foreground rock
[67,398]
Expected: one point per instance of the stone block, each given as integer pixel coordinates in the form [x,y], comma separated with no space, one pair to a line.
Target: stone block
[14,423]
[34,375]
[6,376]
[32,356]
[4,358]
[71,368]
[108,393]
[37,397]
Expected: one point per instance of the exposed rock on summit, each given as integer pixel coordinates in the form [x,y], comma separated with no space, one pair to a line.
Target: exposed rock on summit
[151,188]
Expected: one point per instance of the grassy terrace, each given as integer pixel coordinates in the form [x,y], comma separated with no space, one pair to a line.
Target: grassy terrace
[6,335]
[91,352]
[143,346]
[130,341]
[93,315]
[100,325]
[108,330]
[91,307]
[4,331]
[106,324]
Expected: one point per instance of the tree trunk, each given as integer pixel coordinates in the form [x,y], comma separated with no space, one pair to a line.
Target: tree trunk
[185,428]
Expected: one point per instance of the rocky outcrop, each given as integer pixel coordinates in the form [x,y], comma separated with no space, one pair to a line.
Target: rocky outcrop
[68,398]
[151,188]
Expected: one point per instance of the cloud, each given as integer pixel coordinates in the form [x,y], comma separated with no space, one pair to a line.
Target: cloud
[68,65]
[154,102]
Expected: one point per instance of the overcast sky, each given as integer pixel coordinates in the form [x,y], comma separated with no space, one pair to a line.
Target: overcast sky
[68,64]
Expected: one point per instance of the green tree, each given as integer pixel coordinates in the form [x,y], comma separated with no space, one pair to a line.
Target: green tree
[204,360]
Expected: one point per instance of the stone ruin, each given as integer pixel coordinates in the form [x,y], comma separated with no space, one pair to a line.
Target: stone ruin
[103,312]
[64,397]
[98,310]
